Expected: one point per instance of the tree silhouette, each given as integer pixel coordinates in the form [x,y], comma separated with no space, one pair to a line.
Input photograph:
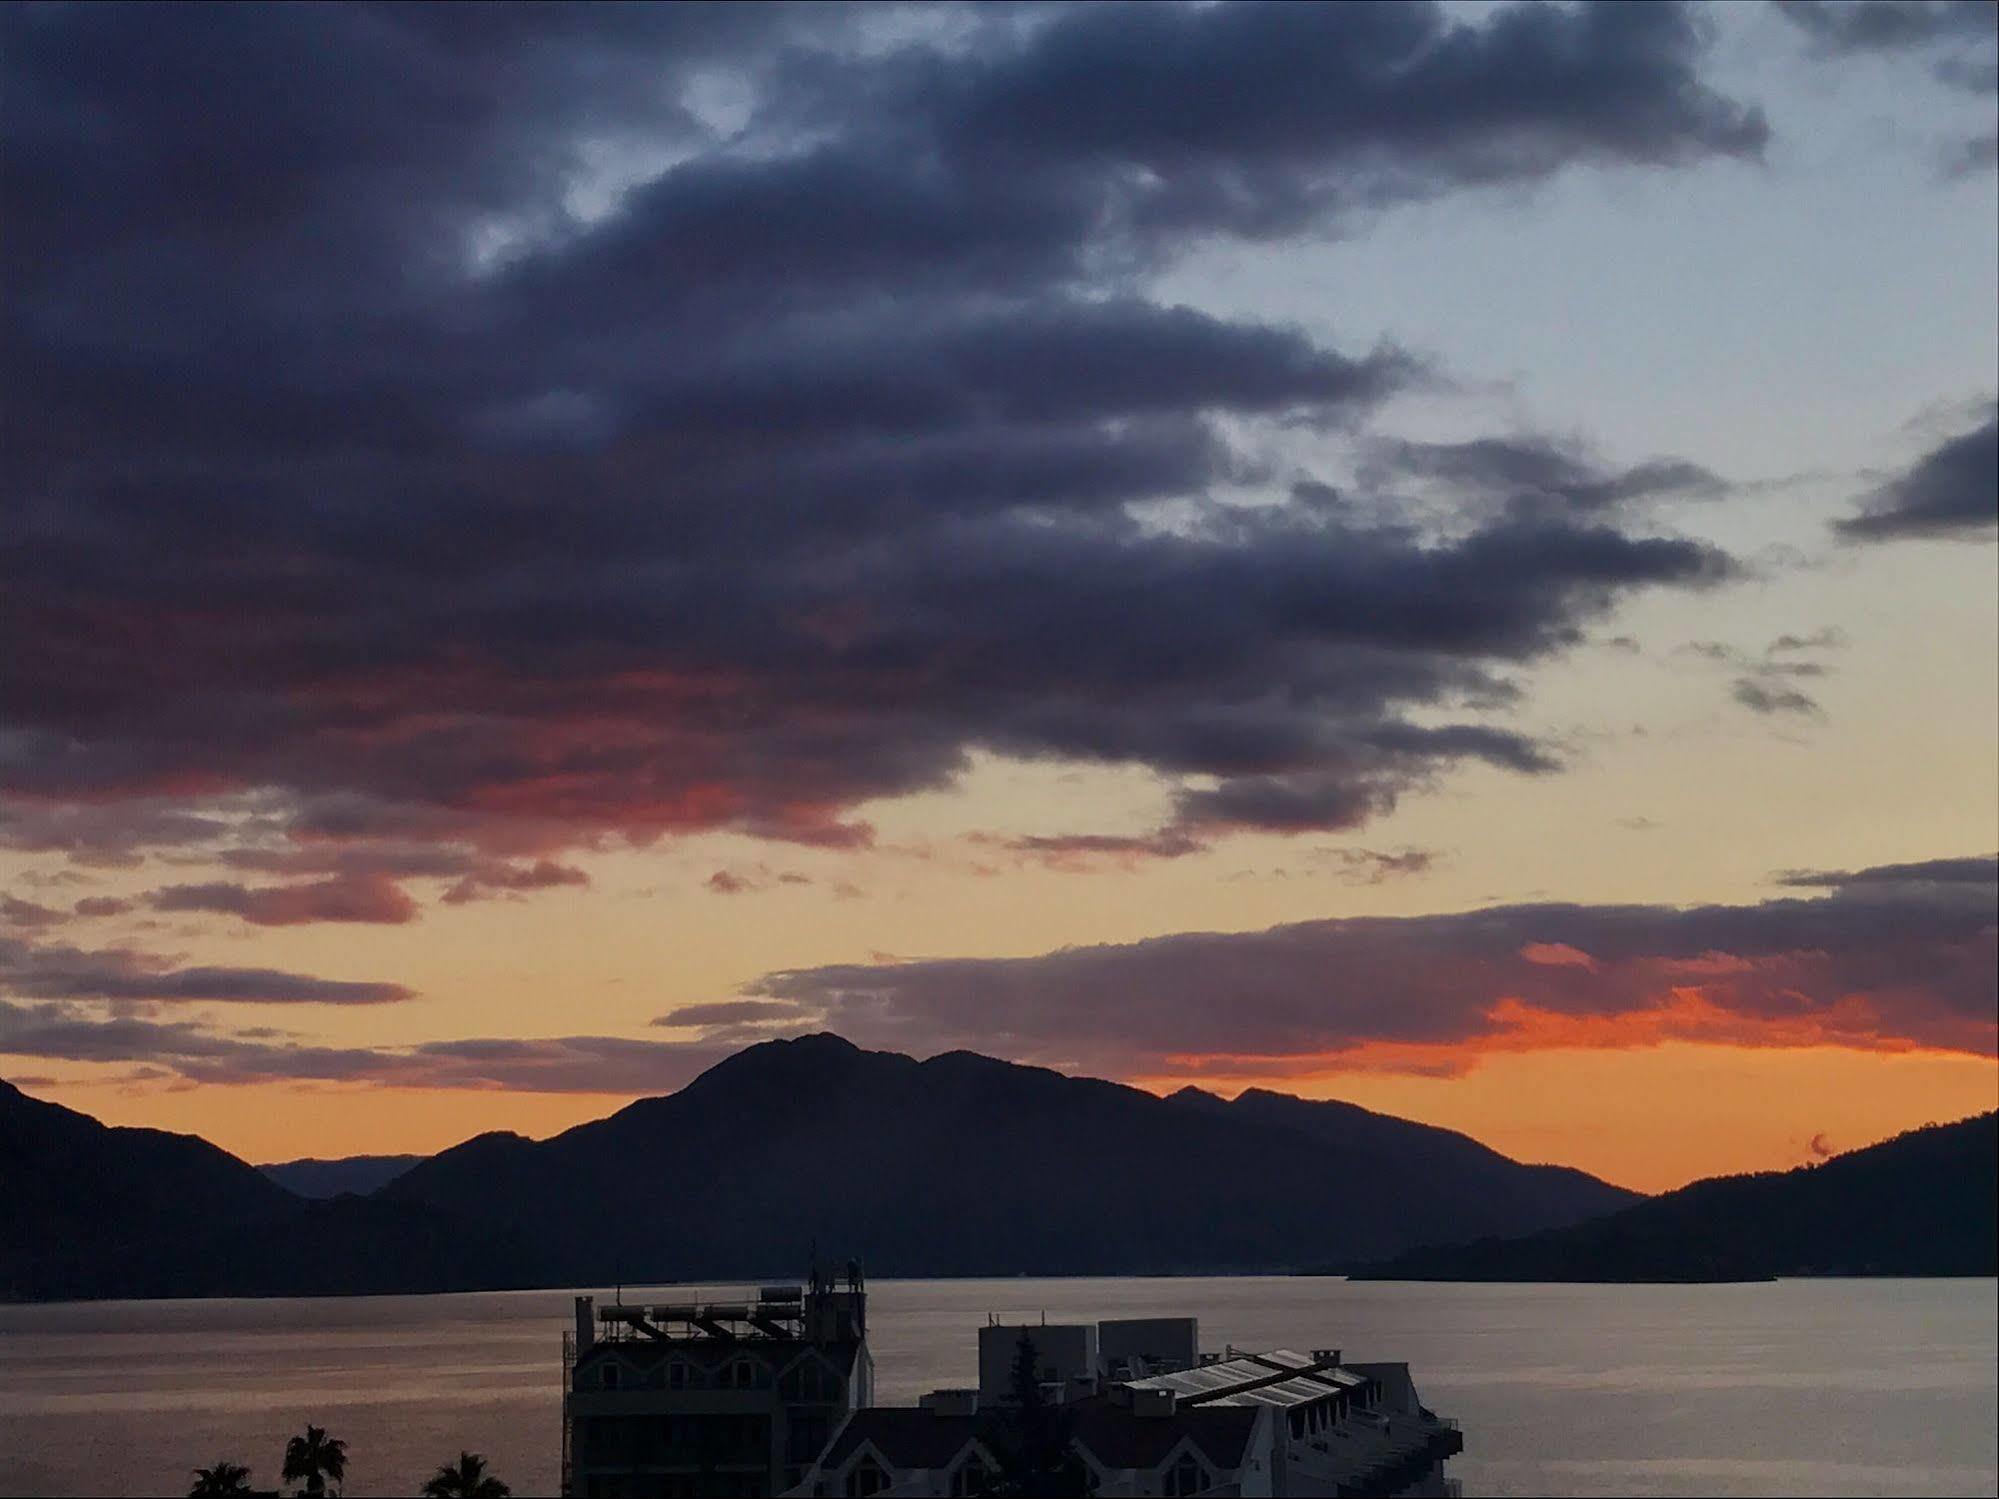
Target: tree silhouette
[465,1479]
[1032,1439]
[225,1478]
[312,1459]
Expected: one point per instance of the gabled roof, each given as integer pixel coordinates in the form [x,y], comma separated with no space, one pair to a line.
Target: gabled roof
[1118,1439]
[905,1436]
[912,1437]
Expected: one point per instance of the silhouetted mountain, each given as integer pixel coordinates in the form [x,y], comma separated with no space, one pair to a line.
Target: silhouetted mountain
[1467,1176]
[90,1211]
[963,1165]
[75,1188]
[1920,1204]
[957,1165]
[359,1174]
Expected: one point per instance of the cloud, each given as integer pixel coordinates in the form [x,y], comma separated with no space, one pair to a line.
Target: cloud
[746,881]
[732,1012]
[1952,491]
[1889,958]
[26,914]
[195,1053]
[376,901]
[1536,477]
[104,835]
[1082,851]
[1367,866]
[493,877]
[1928,872]
[1957,38]
[1768,681]
[1820,1146]
[1974,156]
[473,435]
[1762,697]
[50,971]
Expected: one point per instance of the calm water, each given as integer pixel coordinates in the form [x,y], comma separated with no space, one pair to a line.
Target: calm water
[1802,1387]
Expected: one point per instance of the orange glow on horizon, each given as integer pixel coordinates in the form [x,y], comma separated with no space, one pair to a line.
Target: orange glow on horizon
[1655,1118]
[1651,1118]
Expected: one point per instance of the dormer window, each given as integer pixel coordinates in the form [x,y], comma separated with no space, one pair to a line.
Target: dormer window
[608,1377]
[971,1478]
[1187,1476]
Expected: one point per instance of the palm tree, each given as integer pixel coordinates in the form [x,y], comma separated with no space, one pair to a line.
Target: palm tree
[465,1479]
[312,1459]
[224,1479]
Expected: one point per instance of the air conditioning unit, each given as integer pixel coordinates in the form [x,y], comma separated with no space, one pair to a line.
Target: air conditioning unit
[1149,1401]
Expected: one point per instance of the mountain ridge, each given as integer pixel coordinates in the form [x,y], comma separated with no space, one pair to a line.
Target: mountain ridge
[1009,1168]
[1918,1203]
[957,1164]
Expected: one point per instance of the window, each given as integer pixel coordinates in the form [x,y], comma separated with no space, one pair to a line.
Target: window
[971,1478]
[807,1436]
[608,1377]
[812,1382]
[866,1478]
[1187,1477]
[676,1375]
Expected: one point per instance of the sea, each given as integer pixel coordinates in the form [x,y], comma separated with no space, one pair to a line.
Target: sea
[1789,1387]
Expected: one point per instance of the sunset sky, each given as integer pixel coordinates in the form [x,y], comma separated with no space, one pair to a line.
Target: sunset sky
[1441,557]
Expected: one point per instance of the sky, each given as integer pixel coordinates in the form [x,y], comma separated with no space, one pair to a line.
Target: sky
[1436,556]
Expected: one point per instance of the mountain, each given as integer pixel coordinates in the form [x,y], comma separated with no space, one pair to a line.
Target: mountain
[76,1189]
[358,1174]
[1465,1175]
[1920,1204]
[94,1211]
[963,1165]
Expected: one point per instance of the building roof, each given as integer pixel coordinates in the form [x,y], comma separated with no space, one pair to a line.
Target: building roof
[908,1436]
[1116,1438]
[712,1353]
[1280,1377]
[913,1437]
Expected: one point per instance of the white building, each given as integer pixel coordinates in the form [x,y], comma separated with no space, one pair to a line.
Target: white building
[1275,1423]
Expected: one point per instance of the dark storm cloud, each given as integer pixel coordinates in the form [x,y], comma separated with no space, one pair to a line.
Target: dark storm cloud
[54,972]
[1957,36]
[1887,958]
[1952,491]
[442,438]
